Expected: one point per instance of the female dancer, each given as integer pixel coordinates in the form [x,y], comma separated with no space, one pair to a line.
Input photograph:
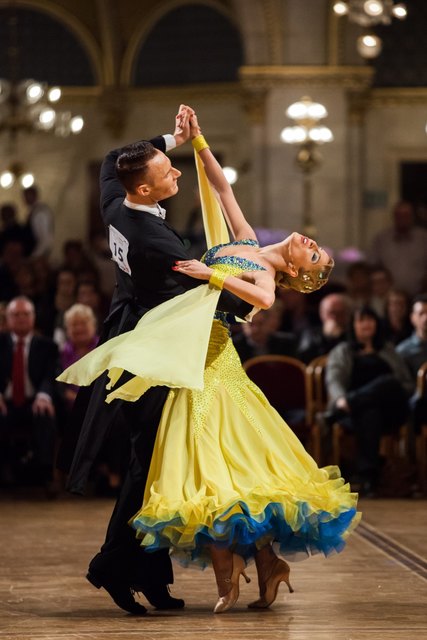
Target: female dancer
[228,478]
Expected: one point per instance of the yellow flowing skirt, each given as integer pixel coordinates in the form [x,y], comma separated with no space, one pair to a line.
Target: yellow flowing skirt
[227,469]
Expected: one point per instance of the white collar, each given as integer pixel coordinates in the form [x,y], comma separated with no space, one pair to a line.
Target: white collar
[155,210]
[26,339]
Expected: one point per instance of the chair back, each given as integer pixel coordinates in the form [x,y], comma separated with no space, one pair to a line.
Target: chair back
[281,378]
[318,396]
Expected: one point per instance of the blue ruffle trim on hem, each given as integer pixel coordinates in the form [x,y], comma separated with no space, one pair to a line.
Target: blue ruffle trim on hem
[319,532]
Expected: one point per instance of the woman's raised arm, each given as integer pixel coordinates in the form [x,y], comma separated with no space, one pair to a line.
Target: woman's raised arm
[239,226]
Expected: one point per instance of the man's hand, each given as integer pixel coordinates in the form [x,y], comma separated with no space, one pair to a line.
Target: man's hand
[43,406]
[182,124]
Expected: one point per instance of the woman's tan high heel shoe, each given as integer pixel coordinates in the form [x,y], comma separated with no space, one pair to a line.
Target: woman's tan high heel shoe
[230,598]
[268,589]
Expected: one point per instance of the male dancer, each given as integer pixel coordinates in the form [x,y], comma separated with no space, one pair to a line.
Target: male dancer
[144,248]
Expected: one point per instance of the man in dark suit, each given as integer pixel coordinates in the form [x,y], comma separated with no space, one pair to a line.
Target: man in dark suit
[28,367]
[144,248]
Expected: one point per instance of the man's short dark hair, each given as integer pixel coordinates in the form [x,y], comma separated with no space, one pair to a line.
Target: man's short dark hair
[132,164]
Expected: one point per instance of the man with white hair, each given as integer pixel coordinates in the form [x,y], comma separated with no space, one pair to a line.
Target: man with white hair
[28,367]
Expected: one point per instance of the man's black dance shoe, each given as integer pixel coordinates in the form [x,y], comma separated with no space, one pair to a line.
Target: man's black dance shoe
[159,597]
[120,593]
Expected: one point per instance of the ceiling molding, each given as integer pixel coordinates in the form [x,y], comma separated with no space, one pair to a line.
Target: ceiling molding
[398,96]
[352,77]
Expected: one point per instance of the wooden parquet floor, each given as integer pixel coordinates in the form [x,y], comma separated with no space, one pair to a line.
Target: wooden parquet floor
[375,590]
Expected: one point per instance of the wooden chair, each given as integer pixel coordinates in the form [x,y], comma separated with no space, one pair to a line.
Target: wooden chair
[284,381]
[318,395]
[317,401]
[421,441]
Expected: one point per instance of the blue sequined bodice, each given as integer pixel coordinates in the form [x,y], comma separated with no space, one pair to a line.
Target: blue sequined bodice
[235,264]
[236,261]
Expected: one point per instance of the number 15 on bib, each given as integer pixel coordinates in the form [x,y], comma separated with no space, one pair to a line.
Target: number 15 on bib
[119,247]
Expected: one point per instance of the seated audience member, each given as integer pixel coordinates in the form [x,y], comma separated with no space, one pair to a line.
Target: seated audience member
[44,286]
[397,323]
[44,275]
[80,326]
[28,368]
[358,283]
[414,352]
[408,242]
[381,285]
[368,388]
[334,313]
[81,337]
[27,284]
[262,336]
[25,279]
[51,318]
[76,259]
[88,293]
[295,315]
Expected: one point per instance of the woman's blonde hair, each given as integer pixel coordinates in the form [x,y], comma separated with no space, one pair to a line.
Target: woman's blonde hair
[306,281]
[81,311]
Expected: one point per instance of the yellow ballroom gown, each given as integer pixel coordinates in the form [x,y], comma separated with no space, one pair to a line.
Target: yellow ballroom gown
[225,468]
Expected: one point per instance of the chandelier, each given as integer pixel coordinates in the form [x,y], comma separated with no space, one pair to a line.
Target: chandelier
[368,14]
[29,106]
[26,107]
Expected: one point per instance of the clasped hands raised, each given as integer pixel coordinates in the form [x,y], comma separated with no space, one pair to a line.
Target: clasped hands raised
[186,124]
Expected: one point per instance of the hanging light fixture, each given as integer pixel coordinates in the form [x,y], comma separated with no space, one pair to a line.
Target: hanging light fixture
[368,14]
[306,114]
[27,105]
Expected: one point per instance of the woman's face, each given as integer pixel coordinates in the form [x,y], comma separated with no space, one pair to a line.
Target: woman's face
[66,283]
[306,253]
[397,306]
[364,328]
[80,330]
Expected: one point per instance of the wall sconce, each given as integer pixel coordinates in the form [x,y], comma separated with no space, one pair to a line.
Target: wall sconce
[15,172]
